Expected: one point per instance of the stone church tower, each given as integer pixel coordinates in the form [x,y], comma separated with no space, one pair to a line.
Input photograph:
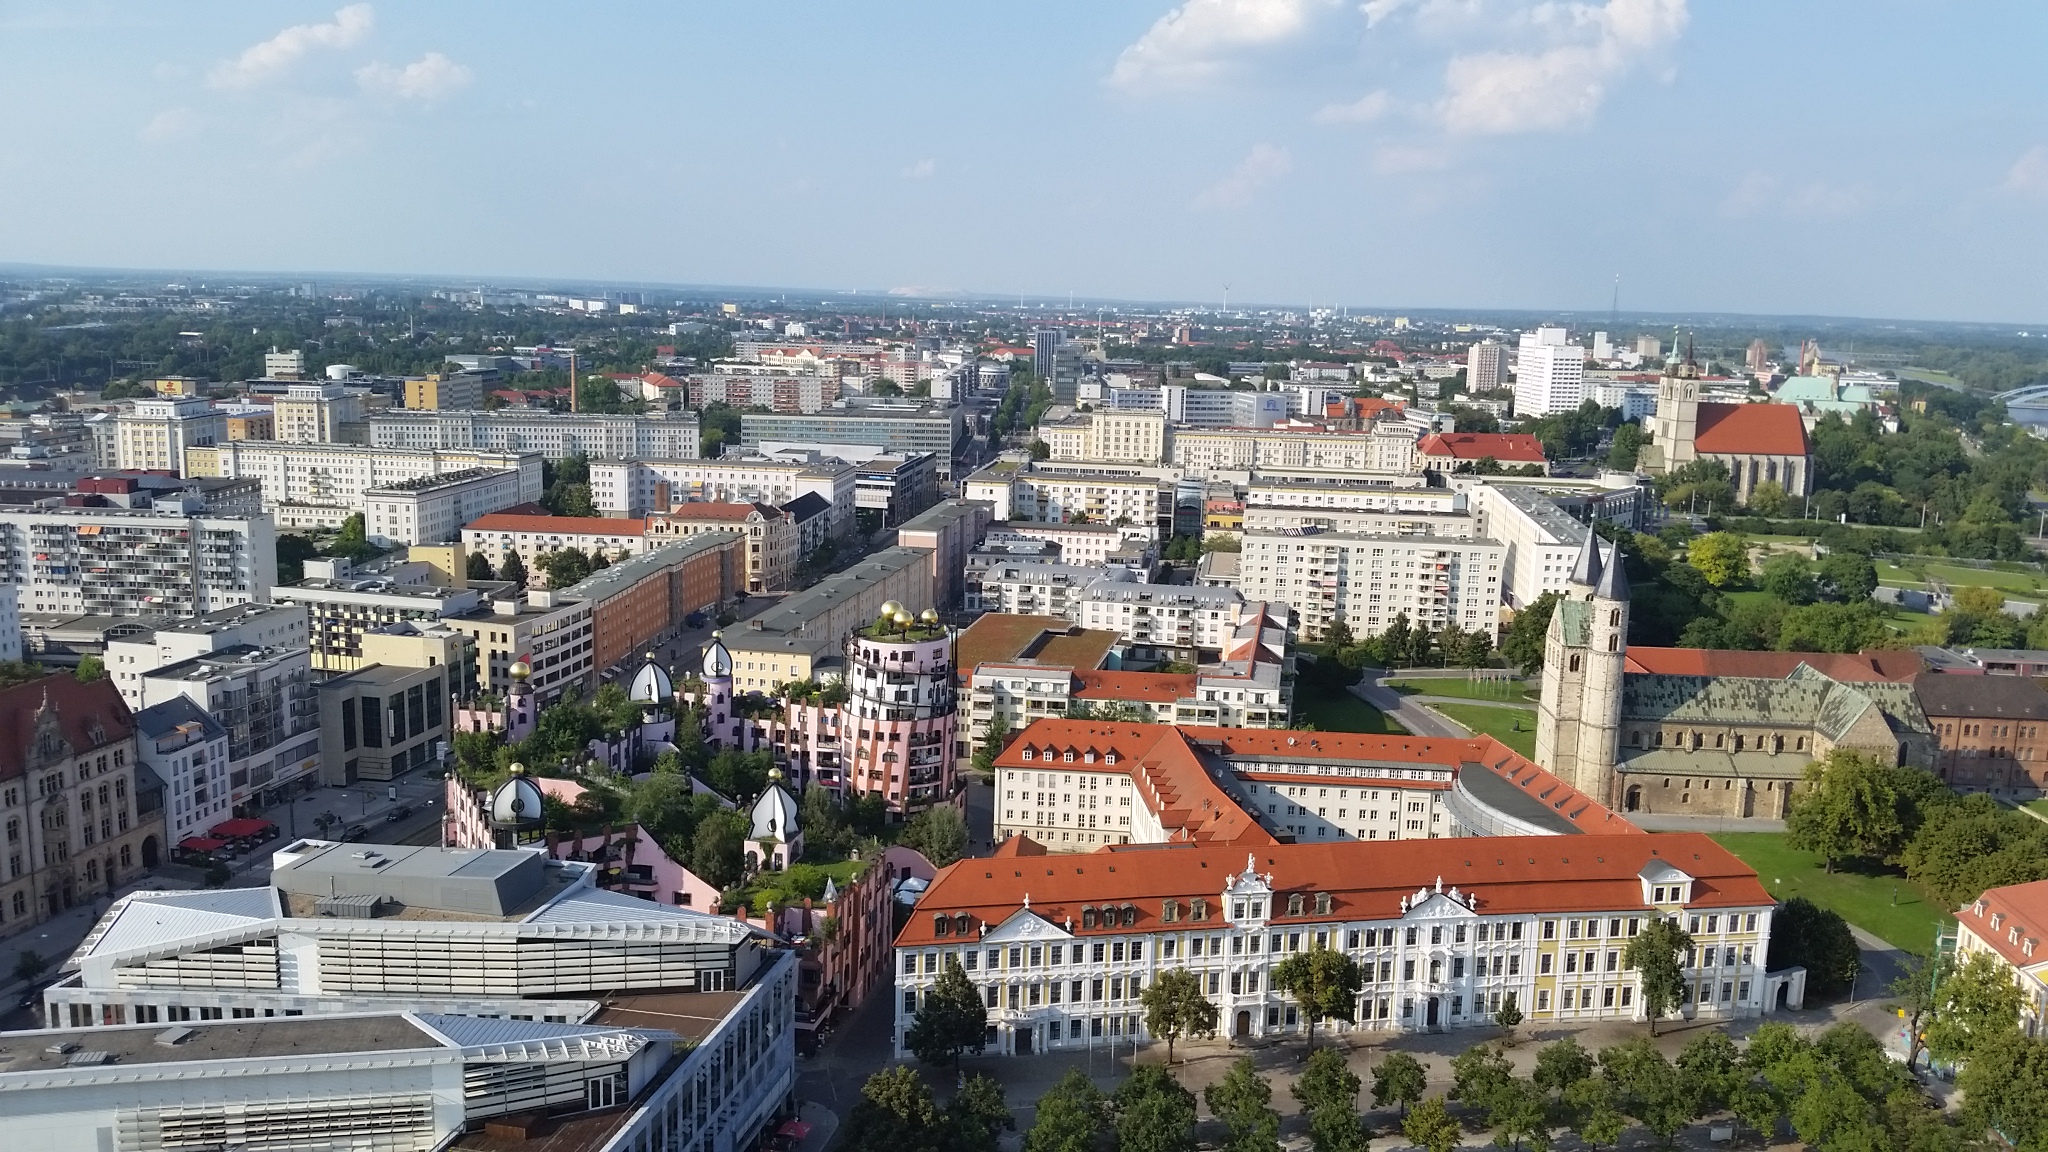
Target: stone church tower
[1578,718]
[1674,430]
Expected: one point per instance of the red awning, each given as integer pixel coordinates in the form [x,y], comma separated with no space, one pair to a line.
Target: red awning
[201,844]
[796,1129]
[247,826]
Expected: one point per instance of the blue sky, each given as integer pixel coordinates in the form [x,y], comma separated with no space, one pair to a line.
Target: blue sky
[1854,157]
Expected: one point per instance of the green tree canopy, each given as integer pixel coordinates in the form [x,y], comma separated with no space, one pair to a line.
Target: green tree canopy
[1654,954]
[1243,1101]
[1805,935]
[1430,1126]
[938,832]
[1398,1079]
[1071,1117]
[1154,1113]
[1721,557]
[1176,1007]
[1324,982]
[951,1018]
[1848,810]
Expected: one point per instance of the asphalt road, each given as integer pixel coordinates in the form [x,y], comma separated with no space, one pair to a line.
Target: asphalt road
[1409,714]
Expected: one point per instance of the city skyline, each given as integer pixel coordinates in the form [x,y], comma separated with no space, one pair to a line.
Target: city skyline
[1487,156]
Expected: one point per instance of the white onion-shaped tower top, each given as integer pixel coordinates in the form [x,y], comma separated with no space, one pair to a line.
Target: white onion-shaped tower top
[717,661]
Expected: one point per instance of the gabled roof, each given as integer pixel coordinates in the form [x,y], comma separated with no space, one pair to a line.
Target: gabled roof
[806,506]
[1980,696]
[1506,447]
[559,525]
[2016,906]
[1750,430]
[1868,666]
[1365,880]
[1149,687]
[90,716]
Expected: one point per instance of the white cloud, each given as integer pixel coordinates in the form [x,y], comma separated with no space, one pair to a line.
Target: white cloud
[922,170]
[1363,110]
[1192,44]
[2028,174]
[273,57]
[1261,166]
[168,125]
[427,78]
[1378,10]
[1559,87]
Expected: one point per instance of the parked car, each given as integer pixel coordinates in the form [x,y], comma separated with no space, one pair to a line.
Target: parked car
[355,832]
[696,620]
[398,813]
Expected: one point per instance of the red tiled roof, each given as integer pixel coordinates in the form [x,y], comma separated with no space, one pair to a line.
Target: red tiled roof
[1506,447]
[1172,780]
[558,525]
[1874,666]
[1750,430]
[717,510]
[2021,906]
[1366,879]
[1150,687]
[90,716]
[1018,845]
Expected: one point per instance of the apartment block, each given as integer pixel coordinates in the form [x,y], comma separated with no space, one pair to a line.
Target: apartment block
[533,535]
[552,435]
[434,509]
[264,697]
[1540,540]
[770,533]
[188,750]
[1109,434]
[638,487]
[314,413]
[1388,447]
[950,531]
[551,634]
[131,657]
[642,598]
[1367,580]
[457,391]
[320,485]
[1166,622]
[341,610]
[121,562]
[1073,495]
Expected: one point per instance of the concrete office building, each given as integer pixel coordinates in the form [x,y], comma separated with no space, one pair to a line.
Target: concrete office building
[265,699]
[154,434]
[1550,373]
[118,562]
[551,634]
[171,641]
[1118,436]
[1388,447]
[454,391]
[891,425]
[1055,494]
[553,435]
[1540,538]
[343,608]
[314,413]
[532,536]
[950,531]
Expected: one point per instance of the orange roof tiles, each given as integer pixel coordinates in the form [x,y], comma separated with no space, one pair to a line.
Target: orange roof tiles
[1150,687]
[1751,430]
[1048,641]
[1875,666]
[1506,447]
[559,525]
[1018,845]
[2020,913]
[1173,782]
[1366,880]
[718,510]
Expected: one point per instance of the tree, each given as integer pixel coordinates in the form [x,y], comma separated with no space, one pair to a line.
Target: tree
[1508,1017]
[1769,498]
[1324,982]
[938,832]
[1040,450]
[1175,1007]
[1786,577]
[1805,935]
[1326,1081]
[1849,809]
[513,570]
[1596,1111]
[564,567]
[1848,576]
[478,567]
[1648,1087]
[293,550]
[991,746]
[895,1113]
[1338,636]
[1561,1064]
[951,1018]
[1628,444]
[717,850]
[1979,601]
[1522,644]
[29,965]
[1430,1126]
[1481,1076]
[1917,997]
[976,1114]
[1979,1000]
[1653,954]
[90,668]
[1154,1113]
[2005,1086]
[1398,1079]
[1243,1101]
[1522,1114]
[1334,1129]
[1069,1118]
[1721,557]
[1711,1066]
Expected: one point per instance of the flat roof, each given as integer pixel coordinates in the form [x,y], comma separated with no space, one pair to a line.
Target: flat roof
[691,1015]
[252,1039]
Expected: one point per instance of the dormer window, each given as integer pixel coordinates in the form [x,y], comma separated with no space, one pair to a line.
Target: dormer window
[1978,908]
[1069,758]
[1169,911]
[1294,903]
[1200,911]
[1028,754]
[1087,917]
[1237,910]
[1110,758]
[941,925]
[1322,903]
[1088,757]
[961,924]
[1997,921]
[2013,937]
[1658,896]
[1130,916]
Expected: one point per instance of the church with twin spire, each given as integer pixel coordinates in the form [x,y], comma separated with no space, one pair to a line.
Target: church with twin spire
[1705,732]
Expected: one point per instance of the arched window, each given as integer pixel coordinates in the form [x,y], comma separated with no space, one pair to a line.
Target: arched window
[1614,642]
[1614,618]
[1574,662]
[941,925]
[1087,917]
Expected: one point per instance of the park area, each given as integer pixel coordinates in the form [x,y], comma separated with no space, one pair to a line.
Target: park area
[1330,707]
[1496,688]
[1886,905]
[1514,727]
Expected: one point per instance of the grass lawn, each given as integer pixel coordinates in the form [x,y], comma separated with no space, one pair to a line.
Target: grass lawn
[1497,721]
[1903,621]
[2022,584]
[1751,597]
[1332,709]
[1865,901]
[1503,690]
[2040,806]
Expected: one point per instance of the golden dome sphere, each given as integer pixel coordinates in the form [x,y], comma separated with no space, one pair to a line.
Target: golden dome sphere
[902,618]
[929,616]
[891,609]
[518,769]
